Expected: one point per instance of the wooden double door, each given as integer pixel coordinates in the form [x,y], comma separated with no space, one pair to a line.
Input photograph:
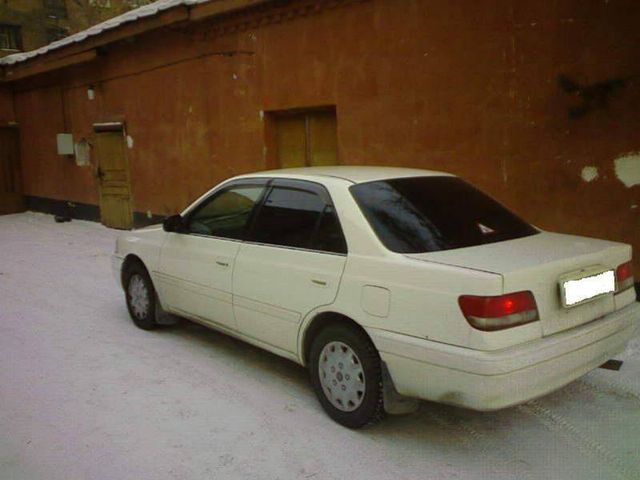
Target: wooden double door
[306,139]
[11,198]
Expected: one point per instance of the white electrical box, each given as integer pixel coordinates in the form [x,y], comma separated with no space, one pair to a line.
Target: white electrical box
[65,144]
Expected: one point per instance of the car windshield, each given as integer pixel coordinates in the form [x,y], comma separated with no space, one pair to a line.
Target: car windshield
[429,214]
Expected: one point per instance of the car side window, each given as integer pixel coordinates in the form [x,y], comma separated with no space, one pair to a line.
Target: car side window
[226,213]
[328,236]
[298,218]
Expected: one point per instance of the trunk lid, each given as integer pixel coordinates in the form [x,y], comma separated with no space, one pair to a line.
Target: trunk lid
[536,263]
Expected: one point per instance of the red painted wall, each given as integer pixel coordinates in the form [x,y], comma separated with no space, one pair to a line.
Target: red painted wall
[7,114]
[463,86]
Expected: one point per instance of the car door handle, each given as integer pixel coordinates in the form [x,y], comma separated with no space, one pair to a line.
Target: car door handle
[222,263]
[320,283]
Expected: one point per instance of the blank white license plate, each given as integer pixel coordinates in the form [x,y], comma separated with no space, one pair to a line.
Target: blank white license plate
[579,290]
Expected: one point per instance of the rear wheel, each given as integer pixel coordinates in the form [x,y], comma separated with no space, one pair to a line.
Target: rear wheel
[345,372]
[141,297]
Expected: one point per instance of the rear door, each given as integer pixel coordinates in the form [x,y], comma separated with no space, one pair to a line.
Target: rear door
[291,263]
[196,266]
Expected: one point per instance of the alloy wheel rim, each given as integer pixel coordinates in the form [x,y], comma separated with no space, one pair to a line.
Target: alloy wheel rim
[138,296]
[341,376]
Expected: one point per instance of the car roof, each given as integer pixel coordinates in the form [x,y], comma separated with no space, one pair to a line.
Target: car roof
[351,173]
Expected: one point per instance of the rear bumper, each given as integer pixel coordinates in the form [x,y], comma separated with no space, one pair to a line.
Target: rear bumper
[492,380]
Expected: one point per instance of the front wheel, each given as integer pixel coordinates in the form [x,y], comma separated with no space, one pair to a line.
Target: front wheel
[346,375]
[141,298]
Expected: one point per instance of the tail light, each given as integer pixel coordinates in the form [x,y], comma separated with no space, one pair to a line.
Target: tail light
[624,277]
[497,313]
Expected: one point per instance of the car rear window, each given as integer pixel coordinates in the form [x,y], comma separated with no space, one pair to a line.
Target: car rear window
[428,214]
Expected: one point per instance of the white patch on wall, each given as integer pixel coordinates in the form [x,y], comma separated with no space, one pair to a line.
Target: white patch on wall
[628,169]
[503,169]
[129,141]
[589,173]
[83,152]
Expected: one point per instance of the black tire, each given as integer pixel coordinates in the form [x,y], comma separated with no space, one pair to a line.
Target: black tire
[371,408]
[145,320]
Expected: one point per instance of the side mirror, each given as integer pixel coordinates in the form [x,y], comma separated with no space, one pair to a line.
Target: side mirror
[174,223]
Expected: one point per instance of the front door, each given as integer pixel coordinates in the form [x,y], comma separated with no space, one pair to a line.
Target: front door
[113,175]
[291,263]
[11,199]
[196,265]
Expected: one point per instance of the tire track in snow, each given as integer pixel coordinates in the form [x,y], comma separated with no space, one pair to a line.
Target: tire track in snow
[611,387]
[471,437]
[584,442]
[584,387]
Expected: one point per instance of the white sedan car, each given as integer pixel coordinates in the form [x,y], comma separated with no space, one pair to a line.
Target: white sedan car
[389,284]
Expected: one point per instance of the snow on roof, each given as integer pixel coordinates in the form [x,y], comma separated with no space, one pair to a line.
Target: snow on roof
[130,16]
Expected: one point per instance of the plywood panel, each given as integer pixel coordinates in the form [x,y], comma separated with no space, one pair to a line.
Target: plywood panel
[291,141]
[323,148]
[306,138]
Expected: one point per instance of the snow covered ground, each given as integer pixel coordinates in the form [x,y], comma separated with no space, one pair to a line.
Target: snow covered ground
[86,395]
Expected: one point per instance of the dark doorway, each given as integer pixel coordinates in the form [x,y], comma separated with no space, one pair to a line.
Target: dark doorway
[11,198]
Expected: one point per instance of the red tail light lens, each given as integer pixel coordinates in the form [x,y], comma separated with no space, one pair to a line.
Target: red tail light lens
[498,313]
[624,277]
